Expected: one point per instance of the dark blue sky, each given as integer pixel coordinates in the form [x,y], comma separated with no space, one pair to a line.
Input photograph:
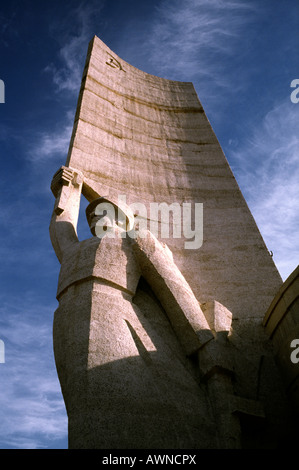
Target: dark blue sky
[241,56]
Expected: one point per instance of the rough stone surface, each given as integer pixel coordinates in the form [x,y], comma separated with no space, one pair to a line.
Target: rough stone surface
[282,324]
[158,346]
[148,138]
[218,317]
[117,366]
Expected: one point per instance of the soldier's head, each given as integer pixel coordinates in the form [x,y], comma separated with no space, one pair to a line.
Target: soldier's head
[104,216]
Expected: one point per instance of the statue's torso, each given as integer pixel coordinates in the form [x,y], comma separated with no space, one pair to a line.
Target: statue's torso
[111,260]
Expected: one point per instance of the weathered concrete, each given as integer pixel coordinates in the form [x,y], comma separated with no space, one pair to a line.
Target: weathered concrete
[158,346]
[282,324]
[148,138]
[126,373]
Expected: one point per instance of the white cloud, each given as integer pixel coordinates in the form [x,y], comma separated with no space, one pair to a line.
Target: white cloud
[74,33]
[67,75]
[51,144]
[267,168]
[190,40]
[32,408]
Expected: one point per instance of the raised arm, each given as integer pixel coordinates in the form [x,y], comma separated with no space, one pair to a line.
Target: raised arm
[173,291]
[66,186]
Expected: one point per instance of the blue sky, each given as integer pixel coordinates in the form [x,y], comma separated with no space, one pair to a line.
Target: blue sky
[241,56]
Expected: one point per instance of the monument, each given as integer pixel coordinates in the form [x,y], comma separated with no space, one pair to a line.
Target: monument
[158,345]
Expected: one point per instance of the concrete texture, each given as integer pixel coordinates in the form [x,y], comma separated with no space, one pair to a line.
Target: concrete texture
[121,365]
[148,138]
[158,346]
[282,324]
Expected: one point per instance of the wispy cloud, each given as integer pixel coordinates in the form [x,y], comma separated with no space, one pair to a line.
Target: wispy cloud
[32,407]
[6,29]
[67,71]
[51,143]
[73,32]
[199,41]
[190,40]
[267,169]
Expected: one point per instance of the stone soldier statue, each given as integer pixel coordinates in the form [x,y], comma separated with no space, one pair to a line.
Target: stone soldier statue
[125,334]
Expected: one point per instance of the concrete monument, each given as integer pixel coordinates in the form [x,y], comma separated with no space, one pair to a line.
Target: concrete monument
[156,345]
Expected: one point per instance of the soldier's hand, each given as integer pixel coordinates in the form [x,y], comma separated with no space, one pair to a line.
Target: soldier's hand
[63,177]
